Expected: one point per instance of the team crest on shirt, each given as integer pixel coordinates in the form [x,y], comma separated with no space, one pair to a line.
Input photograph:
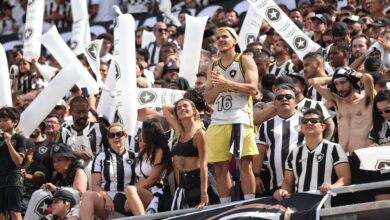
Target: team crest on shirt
[319,157]
[42,150]
[382,164]
[130,161]
[92,50]
[233,73]
[90,137]
[13,142]
[56,148]
[28,33]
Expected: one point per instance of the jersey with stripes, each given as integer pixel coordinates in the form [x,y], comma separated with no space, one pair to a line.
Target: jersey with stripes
[312,168]
[63,9]
[93,138]
[232,107]
[285,68]
[154,53]
[280,136]
[117,171]
[306,103]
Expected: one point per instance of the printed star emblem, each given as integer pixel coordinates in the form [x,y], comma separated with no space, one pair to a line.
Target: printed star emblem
[147,96]
[300,43]
[273,14]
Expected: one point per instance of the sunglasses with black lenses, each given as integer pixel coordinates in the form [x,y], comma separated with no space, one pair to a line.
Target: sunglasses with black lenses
[117,134]
[311,120]
[280,97]
[386,110]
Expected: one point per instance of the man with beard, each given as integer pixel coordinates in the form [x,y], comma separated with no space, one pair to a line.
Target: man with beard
[339,55]
[281,52]
[353,110]
[86,138]
[360,45]
[231,83]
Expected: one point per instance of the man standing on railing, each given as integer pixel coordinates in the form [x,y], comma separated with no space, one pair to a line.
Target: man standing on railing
[311,166]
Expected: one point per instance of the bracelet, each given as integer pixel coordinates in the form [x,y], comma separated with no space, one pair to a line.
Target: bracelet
[204,196]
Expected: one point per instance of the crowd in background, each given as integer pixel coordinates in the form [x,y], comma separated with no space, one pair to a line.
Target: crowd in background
[308,116]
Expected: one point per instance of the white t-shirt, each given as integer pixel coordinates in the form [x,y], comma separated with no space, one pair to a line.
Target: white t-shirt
[106,11]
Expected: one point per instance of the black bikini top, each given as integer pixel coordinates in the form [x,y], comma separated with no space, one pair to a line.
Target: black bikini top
[186,149]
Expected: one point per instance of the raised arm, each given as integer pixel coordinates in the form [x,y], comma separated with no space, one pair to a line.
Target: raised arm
[368,83]
[317,84]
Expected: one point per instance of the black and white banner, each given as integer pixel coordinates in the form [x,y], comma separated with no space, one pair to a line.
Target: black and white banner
[33,29]
[296,207]
[299,41]
[250,28]
[374,158]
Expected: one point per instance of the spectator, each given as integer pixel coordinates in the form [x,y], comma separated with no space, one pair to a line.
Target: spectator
[108,183]
[160,31]
[328,157]
[102,10]
[12,153]
[320,24]
[8,25]
[58,13]
[201,79]
[61,205]
[27,79]
[105,51]
[195,181]
[281,52]
[376,8]
[339,55]
[153,164]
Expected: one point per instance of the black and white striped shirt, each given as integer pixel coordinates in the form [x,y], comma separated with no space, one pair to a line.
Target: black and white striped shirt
[63,9]
[92,138]
[154,53]
[285,68]
[306,103]
[117,171]
[281,136]
[312,168]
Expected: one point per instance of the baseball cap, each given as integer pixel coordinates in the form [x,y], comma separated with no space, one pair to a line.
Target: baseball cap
[352,19]
[299,75]
[380,22]
[321,18]
[62,150]
[64,195]
[169,66]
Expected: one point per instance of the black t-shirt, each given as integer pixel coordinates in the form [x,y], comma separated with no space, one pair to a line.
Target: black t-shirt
[7,166]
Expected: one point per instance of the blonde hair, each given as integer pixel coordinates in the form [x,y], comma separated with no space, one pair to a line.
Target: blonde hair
[117,124]
[179,129]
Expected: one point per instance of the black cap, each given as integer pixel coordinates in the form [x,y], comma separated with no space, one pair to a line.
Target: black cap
[169,66]
[346,73]
[299,75]
[321,18]
[380,22]
[352,19]
[64,195]
[7,5]
[62,150]
[339,29]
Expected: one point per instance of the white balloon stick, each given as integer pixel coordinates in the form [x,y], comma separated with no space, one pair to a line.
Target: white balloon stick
[61,52]
[125,64]
[192,46]
[250,28]
[5,83]
[33,29]
[157,97]
[42,105]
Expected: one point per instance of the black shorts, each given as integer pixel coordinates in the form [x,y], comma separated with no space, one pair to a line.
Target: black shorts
[10,199]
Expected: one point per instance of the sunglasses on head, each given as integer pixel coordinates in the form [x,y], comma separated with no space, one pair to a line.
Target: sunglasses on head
[311,120]
[117,134]
[162,30]
[280,97]
[386,110]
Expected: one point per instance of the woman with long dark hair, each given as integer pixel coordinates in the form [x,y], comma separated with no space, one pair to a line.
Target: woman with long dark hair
[153,162]
[380,136]
[27,79]
[197,186]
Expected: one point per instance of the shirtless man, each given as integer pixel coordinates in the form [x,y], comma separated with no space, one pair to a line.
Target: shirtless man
[354,111]
[231,83]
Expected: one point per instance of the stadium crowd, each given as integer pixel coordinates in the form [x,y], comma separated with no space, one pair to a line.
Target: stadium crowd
[259,122]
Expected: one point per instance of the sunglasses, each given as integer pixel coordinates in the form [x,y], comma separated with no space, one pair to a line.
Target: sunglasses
[162,30]
[118,134]
[311,120]
[280,97]
[345,14]
[386,110]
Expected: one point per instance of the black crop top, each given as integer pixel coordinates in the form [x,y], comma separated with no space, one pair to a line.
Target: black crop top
[186,149]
